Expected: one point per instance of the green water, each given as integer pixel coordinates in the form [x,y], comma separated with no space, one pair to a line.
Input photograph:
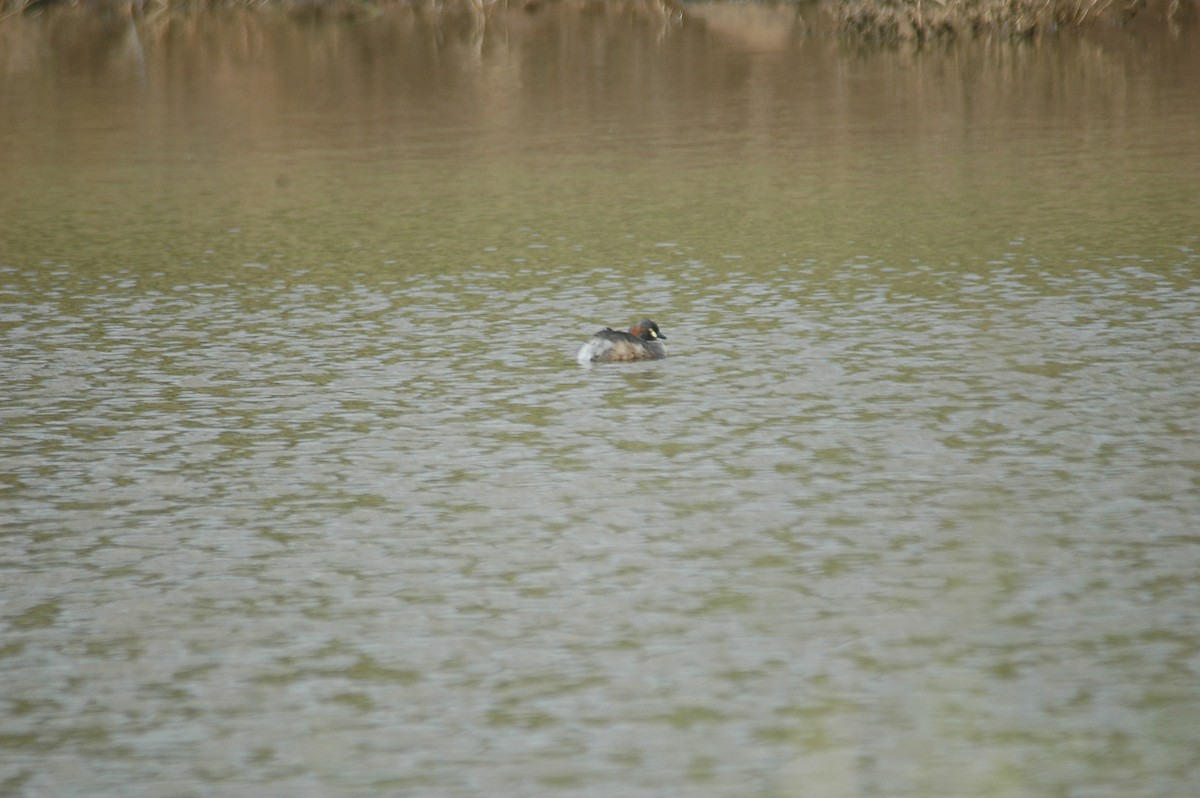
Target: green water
[304,493]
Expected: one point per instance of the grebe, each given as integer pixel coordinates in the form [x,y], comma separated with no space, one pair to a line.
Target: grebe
[642,342]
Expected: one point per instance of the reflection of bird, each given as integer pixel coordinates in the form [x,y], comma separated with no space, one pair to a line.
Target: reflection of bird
[642,342]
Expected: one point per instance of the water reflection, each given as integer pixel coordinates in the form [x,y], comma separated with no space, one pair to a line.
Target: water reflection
[269,123]
[300,471]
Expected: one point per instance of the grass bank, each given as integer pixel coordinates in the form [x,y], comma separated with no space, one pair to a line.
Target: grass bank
[881,20]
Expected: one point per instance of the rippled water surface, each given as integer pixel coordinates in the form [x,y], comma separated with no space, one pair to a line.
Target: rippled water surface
[304,494]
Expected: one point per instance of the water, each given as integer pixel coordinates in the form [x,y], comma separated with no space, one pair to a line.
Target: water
[304,494]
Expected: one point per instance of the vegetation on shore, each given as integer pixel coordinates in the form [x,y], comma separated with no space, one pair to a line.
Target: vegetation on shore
[929,19]
[882,20]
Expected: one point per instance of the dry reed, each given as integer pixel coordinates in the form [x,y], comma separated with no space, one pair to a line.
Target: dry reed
[921,20]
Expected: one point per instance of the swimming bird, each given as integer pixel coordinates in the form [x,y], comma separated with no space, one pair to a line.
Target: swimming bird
[644,341]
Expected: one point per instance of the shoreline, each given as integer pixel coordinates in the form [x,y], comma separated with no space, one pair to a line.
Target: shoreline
[883,21]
